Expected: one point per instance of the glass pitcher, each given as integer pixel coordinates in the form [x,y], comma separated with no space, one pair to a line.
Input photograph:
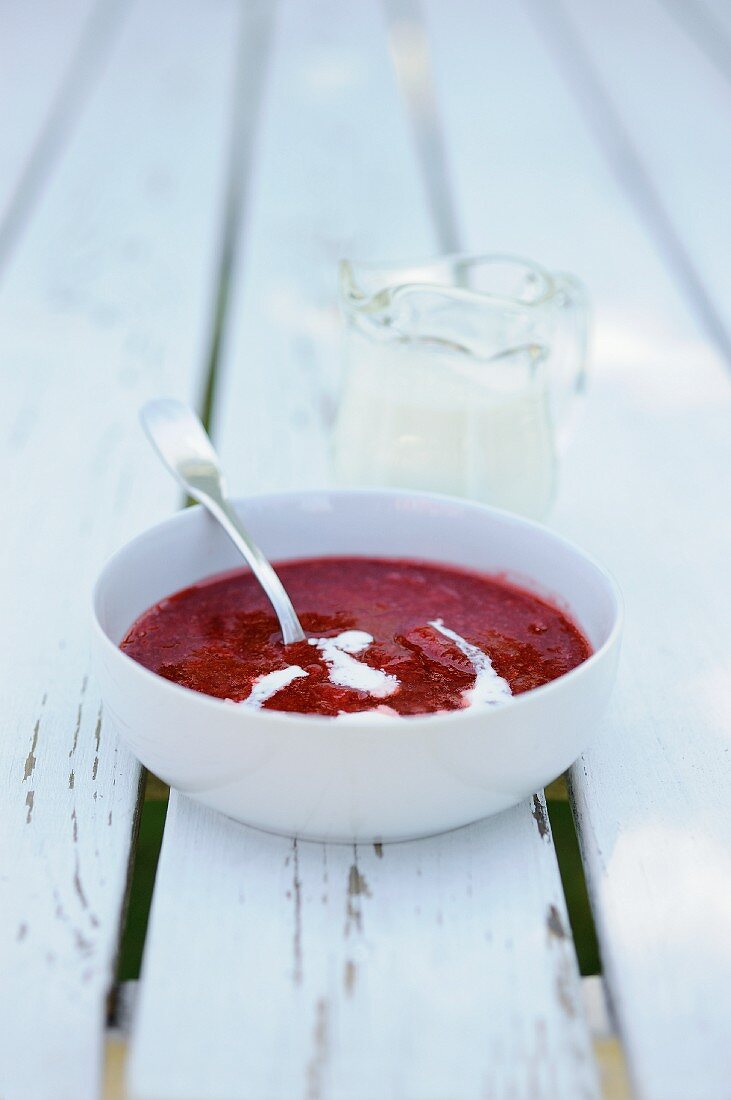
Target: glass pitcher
[459,376]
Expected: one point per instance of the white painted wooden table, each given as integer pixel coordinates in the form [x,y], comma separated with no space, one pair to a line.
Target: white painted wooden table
[168,167]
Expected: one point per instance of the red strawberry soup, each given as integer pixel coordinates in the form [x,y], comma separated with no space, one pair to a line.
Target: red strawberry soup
[387,636]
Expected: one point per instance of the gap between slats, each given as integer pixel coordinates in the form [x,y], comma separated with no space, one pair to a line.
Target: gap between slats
[84,68]
[626,162]
[706,30]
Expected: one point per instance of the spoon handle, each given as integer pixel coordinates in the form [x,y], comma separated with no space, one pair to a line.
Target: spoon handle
[182,443]
[260,566]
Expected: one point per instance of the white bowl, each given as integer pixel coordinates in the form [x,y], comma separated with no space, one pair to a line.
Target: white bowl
[350,780]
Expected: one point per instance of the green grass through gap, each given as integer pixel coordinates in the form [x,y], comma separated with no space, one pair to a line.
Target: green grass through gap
[147,853]
[574,885]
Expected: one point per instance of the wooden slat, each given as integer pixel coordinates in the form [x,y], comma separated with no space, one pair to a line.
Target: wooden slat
[359,196]
[105,303]
[673,108]
[441,968]
[48,54]
[430,969]
[645,486]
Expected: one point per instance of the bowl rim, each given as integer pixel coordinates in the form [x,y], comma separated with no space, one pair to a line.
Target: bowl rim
[347,723]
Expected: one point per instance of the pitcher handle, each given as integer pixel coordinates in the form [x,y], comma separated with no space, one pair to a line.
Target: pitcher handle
[571,358]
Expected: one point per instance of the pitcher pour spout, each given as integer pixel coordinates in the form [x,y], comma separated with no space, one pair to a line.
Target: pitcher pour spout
[402,303]
[366,296]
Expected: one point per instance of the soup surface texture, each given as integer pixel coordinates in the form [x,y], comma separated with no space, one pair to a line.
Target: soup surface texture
[387,636]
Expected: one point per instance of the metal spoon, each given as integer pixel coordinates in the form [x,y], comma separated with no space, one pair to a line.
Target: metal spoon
[182,443]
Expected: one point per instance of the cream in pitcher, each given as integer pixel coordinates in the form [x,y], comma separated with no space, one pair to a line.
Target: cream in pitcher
[457,373]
